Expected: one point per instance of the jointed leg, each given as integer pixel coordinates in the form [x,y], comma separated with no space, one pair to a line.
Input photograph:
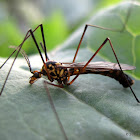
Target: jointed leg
[13,62]
[90,60]
[107,39]
[26,37]
[40,53]
[60,86]
[54,110]
[44,44]
[31,32]
[114,30]
[19,49]
[25,55]
[85,29]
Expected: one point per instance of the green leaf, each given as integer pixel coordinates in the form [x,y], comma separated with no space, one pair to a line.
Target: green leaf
[93,107]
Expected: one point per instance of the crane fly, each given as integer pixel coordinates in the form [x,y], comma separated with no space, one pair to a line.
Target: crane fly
[61,72]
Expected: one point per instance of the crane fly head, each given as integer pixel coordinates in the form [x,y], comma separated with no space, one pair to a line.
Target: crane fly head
[36,76]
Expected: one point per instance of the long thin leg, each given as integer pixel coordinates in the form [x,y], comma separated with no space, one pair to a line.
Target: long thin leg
[40,53]
[60,86]
[13,62]
[89,61]
[107,39]
[55,112]
[85,29]
[34,39]
[44,44]
[19,48]
[114,30]
[26,37]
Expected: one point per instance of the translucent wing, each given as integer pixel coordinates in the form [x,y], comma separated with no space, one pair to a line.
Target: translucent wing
[100,66]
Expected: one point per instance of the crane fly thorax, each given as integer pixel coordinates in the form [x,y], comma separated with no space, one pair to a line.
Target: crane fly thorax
[54,71]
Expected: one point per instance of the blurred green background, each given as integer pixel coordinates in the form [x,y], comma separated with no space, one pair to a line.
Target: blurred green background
[60,19]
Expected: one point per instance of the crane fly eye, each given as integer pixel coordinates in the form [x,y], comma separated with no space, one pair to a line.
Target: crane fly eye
[36,75]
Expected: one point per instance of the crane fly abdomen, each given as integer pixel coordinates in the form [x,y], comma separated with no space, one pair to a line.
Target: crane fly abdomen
[104,68]
[116,74]
[119,76]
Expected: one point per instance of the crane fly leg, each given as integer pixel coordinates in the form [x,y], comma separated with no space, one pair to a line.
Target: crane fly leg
[107,39]
[95,26]
[54,110]
[60,86]
[83,34]
[26,37]
[18,49]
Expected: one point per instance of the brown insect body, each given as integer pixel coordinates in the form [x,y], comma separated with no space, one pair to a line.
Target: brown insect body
[61,72]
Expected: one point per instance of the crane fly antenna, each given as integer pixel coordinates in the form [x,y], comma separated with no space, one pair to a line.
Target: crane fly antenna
[54,110]
[24,55]
[44,50]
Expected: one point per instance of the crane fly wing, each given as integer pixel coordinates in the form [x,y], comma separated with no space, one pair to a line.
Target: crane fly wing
[105,66]
[100,65]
